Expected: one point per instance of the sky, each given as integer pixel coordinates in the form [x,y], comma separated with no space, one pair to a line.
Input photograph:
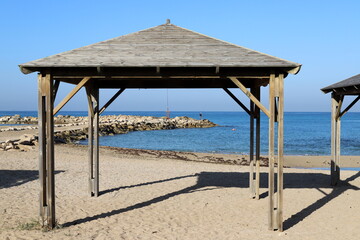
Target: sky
[321,35]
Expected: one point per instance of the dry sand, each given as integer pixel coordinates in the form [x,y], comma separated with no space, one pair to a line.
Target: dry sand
[156,195]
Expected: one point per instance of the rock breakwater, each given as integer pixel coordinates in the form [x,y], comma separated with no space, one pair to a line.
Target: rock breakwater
[70,129]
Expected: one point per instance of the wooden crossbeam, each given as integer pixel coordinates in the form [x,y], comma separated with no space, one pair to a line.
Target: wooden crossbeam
[88,96]
[350,106]
[250,95]
[338,110]
[156,76]
[111,100]
[71,94]
[56,88]
[238,101]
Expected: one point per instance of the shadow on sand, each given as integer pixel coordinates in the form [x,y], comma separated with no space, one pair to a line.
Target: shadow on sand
[207,181]
[13,178]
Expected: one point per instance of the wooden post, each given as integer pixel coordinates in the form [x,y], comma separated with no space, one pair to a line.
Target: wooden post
[271,150]
[46,150]
[336,102]
[251,153]
[96,141]
[42,148]
[280,162]
[90,138]
[93,138]
[257,144]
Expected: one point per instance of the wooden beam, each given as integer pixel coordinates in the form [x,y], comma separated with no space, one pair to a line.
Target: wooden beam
[89,91]
[280,162]
[156,76]
[251,96]
[238,101]
[50,163]
[251,152]
[335,139]
[271,151]
[46,151]
[42,149]
[56,88]
[111,100]
[257,94]
[338,108]
[96,141]
[350,106]
[71,94]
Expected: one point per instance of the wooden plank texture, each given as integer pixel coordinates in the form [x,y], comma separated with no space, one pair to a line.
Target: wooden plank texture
[280,162]
[111,100]
[271,151]
[42,149]
[50,161]
[247,93]
[238,101]
[71,94]
[161,46]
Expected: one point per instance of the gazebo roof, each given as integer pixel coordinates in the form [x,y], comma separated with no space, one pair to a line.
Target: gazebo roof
[165,45]
[350,85]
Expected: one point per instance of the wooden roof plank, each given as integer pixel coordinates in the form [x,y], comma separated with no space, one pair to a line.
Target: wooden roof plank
[165,45]
[353,81]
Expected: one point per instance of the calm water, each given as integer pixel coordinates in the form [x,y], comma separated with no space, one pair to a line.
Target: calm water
[305,133]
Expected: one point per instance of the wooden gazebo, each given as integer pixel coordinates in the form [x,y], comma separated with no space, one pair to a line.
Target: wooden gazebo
[347,87]
[165,56]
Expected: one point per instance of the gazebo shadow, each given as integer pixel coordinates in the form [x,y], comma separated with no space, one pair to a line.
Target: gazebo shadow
[13,178]
[207,181]
[342,187]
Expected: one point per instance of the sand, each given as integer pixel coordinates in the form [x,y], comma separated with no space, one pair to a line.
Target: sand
[158,195]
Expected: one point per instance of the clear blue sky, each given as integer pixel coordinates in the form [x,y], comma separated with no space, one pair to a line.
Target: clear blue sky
[322,35]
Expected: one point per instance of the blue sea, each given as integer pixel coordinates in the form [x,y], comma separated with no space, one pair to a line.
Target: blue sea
[305,133]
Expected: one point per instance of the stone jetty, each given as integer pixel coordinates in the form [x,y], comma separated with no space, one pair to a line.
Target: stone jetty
[70,129]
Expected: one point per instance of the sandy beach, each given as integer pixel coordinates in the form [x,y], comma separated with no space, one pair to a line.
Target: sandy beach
[168,195]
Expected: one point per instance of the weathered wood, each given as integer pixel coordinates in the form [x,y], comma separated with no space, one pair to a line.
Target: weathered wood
[338,147]
[147,48]
[271,150]
[42,149]
[257,94]
[247,93]
[96,140]
[280,162]
[345,87]
[350,106]
[56,88]
[251,157]
[111,100]
[89,89]
[160,77]
[50,163]
[338,108]
[238,101]
[71,94]
[335,139]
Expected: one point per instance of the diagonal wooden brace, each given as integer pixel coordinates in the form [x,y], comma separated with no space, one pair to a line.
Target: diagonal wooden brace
[349,107]
[238,101]
[71,94]
[111,100]
[250,95]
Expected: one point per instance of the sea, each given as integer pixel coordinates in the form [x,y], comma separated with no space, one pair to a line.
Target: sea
[305,133]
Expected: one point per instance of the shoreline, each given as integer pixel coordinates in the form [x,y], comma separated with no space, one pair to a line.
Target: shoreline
[290,161]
